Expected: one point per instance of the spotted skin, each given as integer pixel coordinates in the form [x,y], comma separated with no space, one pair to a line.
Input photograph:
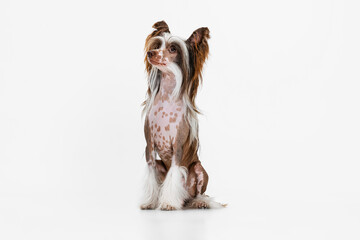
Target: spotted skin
[166,131]
[197,179]
[166,115]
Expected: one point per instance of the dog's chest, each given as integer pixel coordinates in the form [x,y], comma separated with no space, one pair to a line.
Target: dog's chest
[164,119]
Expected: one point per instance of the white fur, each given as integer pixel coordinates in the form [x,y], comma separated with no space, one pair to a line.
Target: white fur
[176,70]
[191,118]
[151,189]
[184,50]
[166,36]
[152,40]
[173,193]
[154,83]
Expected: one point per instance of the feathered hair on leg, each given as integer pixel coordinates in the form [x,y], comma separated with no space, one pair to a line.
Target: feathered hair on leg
[151,189]
[173,193]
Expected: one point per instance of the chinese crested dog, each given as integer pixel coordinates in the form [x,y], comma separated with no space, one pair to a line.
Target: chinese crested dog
[177,180]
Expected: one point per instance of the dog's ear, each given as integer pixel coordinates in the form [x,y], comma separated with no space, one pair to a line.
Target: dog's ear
[199,37]
[160,27]
[199,51]
[198,42]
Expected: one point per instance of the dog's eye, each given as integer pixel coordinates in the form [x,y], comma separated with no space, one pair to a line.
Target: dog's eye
[172,49]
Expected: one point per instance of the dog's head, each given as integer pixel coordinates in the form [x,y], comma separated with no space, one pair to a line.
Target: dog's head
[164,51]
[183,58]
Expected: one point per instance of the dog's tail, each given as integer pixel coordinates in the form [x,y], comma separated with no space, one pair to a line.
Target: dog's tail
[203,201]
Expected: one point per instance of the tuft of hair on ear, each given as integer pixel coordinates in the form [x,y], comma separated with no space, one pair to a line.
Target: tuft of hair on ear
[160,28]
[199,51]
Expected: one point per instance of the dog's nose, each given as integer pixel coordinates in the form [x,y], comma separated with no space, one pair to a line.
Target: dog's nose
[150,54]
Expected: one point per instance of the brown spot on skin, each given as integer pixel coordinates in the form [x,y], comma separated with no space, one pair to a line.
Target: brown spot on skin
[161,108]
[178,109]
[175,115]
[171,113]
[166,115]
[155,125]
[172,119]
[197,179]
[167,128]
[163,138]
[152,127]
[164,97]
[158,129]
[155,113]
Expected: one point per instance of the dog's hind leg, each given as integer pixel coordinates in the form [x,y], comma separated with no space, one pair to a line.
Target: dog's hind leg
[197,179]
[196,186]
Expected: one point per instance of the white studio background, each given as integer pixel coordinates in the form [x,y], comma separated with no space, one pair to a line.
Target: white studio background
[279,135]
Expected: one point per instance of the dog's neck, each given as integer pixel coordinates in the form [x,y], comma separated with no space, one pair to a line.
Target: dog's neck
[167,83]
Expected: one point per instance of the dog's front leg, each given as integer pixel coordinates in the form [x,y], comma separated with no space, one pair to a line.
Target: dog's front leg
[173,192]
[152,185]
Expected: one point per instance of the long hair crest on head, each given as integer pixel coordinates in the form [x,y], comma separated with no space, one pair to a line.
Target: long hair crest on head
[153,73]
[160,27]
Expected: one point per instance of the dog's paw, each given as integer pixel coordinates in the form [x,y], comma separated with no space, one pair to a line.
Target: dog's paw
[200,204]
[147,206]
[167,207]
[197,203]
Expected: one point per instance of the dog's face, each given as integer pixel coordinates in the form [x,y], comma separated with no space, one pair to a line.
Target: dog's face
[163,53]
[168,53]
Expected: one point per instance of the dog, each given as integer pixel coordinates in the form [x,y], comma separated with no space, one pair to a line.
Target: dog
[174,66]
